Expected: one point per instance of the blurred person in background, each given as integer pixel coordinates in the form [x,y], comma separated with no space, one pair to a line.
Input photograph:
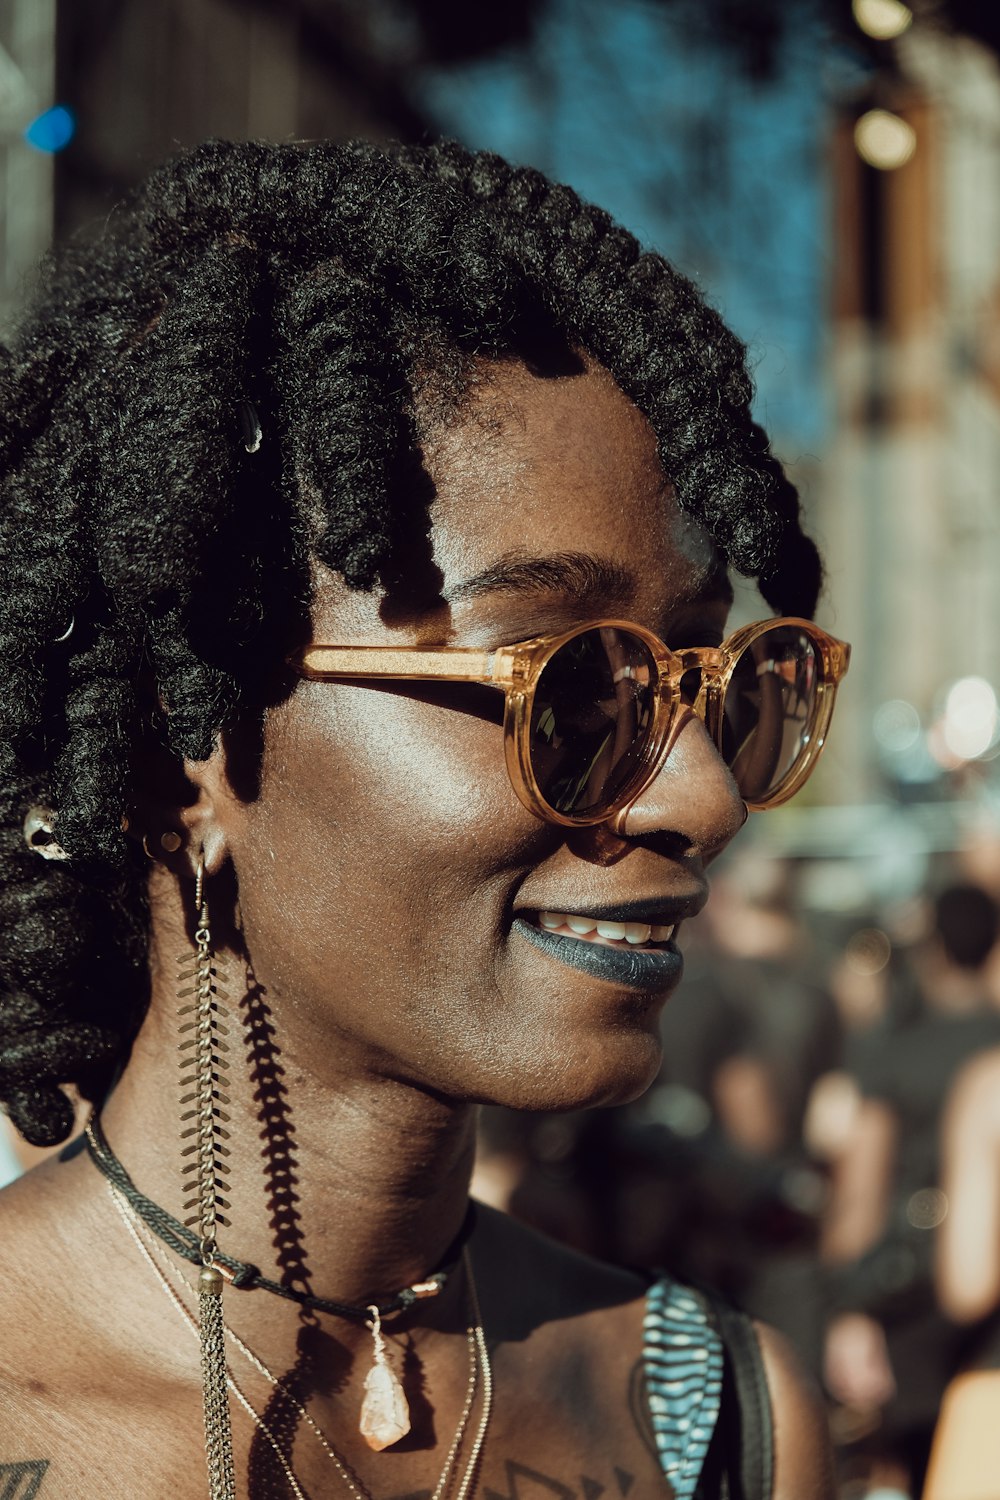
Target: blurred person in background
[755,1029]
[968,1250]
[965,1459]
[328,472]
[890,1351]
[752,1032]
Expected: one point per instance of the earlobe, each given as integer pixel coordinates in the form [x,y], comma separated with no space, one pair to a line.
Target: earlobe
[203,818]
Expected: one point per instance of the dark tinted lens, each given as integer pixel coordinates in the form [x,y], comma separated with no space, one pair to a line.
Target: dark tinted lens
[770,710]
[591,719]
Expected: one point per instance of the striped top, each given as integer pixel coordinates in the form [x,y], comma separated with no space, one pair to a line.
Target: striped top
[682,1356]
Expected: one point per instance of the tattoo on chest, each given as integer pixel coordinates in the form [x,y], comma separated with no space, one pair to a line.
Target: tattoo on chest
[22,1481]
[529,1484]
[523,1483]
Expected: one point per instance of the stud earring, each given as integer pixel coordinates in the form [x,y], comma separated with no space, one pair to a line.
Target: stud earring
[169,842]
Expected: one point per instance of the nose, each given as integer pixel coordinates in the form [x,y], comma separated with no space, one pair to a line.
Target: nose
[692,797]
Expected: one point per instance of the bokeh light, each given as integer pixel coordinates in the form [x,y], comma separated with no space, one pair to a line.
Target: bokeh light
[868,951]
[882,19]
[53,130]
[884,140]
[970,723]
[896,726]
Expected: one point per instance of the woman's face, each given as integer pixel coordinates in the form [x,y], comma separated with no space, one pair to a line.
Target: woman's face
[390,880]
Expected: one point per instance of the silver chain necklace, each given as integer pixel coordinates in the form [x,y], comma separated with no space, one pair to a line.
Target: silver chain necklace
[479,1364]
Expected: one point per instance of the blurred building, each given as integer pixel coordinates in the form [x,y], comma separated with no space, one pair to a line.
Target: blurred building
[27,91]
[147,77]
[911,490]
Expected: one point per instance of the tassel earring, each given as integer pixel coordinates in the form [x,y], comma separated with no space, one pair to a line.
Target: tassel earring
[204,1094]
[385,1416]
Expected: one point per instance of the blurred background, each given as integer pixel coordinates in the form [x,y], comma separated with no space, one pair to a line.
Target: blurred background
[829,173]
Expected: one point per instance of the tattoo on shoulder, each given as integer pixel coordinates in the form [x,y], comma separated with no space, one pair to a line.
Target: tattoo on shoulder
[22,1481]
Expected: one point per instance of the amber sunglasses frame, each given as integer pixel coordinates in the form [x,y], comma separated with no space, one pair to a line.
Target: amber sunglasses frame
[516,669]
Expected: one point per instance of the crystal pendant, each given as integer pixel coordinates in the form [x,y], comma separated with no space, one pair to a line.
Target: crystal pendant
[385,1416]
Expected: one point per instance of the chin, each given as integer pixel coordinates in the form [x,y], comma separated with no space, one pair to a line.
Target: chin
[613,1069]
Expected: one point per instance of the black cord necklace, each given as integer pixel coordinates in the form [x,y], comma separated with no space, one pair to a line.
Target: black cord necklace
[185,1243]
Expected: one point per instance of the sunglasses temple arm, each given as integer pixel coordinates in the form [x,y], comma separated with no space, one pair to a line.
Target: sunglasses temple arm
[322,663]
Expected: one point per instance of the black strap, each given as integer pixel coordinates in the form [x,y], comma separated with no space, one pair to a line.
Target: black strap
[242,1274]
[744,1456]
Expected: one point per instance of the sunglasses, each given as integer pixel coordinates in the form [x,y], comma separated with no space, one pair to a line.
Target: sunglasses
[590,714]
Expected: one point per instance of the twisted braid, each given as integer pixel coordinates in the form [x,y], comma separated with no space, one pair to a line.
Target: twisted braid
[335,289]
[665,345]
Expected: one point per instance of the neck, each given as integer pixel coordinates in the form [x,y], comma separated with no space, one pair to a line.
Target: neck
[344,1182]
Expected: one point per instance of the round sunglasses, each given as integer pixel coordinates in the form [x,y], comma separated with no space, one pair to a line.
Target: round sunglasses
[591,713]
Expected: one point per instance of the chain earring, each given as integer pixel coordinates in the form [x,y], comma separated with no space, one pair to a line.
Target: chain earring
[204,1095]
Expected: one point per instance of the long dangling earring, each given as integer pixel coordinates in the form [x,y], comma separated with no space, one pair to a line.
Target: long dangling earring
[204,1094]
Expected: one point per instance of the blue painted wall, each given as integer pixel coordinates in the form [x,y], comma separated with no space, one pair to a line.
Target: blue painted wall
[723,175]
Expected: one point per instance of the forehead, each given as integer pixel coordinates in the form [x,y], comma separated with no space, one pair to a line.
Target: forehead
[535,469]
[542,466]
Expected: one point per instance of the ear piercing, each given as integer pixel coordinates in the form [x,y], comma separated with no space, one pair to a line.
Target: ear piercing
[39,833]
[169,842]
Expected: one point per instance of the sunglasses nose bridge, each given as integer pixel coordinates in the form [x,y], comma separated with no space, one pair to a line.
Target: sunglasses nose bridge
[709,662]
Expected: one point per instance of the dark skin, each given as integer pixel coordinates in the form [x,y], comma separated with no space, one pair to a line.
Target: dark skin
[379,867]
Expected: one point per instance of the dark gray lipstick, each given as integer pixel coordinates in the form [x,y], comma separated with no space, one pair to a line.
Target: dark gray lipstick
[651,970]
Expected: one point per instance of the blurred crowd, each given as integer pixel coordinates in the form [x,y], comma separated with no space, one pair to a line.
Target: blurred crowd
[823,1143]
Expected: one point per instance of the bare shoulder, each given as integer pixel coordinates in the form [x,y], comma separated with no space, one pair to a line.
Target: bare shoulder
[34,1262]
[72,1357]
[45,1325]
[803,1458]
[39,1452]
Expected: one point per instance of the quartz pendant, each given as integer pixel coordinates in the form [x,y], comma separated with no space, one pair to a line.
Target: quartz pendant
[385,1416]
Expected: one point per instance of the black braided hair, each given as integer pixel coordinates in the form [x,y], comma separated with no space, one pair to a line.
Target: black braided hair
[153,572]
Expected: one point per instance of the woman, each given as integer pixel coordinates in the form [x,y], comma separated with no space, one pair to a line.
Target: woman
[297,404]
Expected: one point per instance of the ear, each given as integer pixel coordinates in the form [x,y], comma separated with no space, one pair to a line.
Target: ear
[206,819]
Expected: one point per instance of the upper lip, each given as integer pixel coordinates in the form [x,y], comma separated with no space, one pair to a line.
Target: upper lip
[662,911]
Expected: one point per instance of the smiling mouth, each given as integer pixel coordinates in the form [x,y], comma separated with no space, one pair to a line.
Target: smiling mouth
[653,967]
[627,936]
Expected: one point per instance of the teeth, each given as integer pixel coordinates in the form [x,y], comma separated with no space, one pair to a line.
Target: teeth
[611,929]
[581,925]
[637,934]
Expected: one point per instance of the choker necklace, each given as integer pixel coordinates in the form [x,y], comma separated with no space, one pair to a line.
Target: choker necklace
[479,1365]
[247,1277]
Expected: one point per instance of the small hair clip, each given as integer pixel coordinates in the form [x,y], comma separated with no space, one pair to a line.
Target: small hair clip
[253,433]
[39,833]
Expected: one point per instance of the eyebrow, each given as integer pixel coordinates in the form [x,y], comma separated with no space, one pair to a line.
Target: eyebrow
[590,580]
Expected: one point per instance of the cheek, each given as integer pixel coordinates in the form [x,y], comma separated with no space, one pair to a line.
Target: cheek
[382,820]
[380,759]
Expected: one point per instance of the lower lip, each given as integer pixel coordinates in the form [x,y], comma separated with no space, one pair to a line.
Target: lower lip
[650,970]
